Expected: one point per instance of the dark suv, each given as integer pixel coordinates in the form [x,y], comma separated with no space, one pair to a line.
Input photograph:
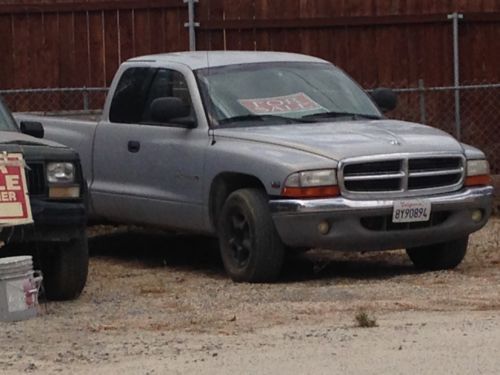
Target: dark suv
[57,193]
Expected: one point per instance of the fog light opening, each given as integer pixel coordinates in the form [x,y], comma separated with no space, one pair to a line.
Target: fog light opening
[324,227]
[477,215]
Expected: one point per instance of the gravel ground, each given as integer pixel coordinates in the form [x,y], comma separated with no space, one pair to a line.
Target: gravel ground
[162,304]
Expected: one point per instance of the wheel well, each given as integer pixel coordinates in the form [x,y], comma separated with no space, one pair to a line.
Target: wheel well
[223,185]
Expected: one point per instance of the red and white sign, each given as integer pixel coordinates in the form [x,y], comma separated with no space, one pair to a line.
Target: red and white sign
[299,102]
[15,206]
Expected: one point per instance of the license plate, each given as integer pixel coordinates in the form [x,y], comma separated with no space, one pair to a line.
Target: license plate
[409,211]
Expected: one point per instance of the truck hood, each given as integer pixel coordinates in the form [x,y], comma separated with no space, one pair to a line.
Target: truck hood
[17,138]
[345,139]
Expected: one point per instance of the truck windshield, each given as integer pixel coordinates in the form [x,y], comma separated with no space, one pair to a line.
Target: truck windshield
[281,93]
[7,123]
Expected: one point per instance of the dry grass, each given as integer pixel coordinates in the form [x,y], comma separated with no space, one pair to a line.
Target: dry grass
[364,320]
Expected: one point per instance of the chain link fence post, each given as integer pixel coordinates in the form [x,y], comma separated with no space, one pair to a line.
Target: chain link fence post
[85,95]
[455,17]
[191,24]
[421,101]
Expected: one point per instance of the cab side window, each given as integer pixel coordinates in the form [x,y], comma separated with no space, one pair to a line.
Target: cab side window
[168,84]
[130,95]
[152,96]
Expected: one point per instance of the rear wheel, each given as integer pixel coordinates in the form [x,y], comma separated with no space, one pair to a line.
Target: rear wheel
[440,256]
[65,267]
[251,249]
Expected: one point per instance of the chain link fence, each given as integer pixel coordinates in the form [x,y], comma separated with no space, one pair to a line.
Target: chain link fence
[55,100]
[478,124]
[479,115]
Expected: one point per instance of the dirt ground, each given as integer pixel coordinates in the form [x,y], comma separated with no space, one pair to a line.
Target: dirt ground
[157,304]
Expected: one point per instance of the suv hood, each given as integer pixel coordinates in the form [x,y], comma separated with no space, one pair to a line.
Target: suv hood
[17,138]
[346,139]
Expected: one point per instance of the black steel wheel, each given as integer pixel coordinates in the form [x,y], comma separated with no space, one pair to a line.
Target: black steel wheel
[250,247]
[441,256]
[65,268]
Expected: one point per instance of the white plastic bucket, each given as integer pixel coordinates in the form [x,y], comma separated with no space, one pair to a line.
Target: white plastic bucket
[19,286]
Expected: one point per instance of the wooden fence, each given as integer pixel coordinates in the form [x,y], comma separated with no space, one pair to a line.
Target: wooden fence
[68,43]
[75,44]
[395,43]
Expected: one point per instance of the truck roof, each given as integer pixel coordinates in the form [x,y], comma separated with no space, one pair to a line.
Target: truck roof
[206,59]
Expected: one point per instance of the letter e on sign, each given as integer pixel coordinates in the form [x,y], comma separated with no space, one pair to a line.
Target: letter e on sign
[12,182]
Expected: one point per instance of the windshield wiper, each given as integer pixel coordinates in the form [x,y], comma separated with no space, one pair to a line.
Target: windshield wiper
[355,116]
[249,118]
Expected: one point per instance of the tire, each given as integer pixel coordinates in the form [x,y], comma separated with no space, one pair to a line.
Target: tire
[442,256]
[65,268]
[250,246]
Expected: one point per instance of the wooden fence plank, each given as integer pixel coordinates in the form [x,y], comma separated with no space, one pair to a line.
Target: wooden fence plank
[111,45]
[20,35]
[67,51]
[157,31]
[81,69]
[7,52]
[126,34]
[96,49]
[142,37]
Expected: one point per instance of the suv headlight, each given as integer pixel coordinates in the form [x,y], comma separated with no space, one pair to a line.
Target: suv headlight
[60,173]
[61,178]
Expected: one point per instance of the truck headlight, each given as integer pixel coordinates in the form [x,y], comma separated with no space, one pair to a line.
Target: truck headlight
[477,167]
[478,173]
[58,173]
[320,183]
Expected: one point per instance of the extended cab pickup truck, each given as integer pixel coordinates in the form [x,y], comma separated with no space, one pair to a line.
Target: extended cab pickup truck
[57,193]
[272,152]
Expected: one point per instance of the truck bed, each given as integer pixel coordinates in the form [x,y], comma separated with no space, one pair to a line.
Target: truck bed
[93,116]
[73,129]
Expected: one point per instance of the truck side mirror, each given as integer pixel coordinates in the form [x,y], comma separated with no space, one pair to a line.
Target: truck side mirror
[33,128]
[385,99]
[171,109]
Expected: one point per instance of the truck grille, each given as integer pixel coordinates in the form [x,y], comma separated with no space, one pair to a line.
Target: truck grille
[35,176]
[401,176]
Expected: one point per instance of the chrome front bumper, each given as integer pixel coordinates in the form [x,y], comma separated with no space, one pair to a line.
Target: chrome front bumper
[297,221]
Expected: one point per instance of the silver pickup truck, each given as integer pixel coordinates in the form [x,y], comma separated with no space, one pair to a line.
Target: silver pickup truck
[272,152]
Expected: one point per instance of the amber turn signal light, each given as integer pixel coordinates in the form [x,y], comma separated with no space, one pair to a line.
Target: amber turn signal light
[311,192]
[480,180]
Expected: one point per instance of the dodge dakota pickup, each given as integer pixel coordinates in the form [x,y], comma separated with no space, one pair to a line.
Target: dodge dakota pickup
[272,152]
[57,194]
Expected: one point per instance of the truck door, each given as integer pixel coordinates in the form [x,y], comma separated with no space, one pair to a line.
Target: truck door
[147,172]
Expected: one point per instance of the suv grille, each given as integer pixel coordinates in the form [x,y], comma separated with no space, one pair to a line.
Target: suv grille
[401,176]
[35,177]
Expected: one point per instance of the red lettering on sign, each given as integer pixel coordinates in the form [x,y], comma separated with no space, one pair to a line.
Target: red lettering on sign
[14,201]
[299,102]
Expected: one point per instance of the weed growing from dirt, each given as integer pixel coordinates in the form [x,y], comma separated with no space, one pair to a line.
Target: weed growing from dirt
[364,320]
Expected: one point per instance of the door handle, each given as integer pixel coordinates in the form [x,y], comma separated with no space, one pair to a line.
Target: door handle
[134,146]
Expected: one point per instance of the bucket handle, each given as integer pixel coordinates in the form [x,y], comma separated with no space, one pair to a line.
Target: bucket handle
[37,279]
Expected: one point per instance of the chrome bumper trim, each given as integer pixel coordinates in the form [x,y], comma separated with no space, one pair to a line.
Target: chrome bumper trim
[306,206]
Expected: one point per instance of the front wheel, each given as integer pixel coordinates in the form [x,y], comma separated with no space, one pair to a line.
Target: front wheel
[442,256]
[251,249]
[65,267]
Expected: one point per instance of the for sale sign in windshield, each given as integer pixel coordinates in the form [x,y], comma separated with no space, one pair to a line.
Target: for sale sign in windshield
[15,206]
[279,105]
